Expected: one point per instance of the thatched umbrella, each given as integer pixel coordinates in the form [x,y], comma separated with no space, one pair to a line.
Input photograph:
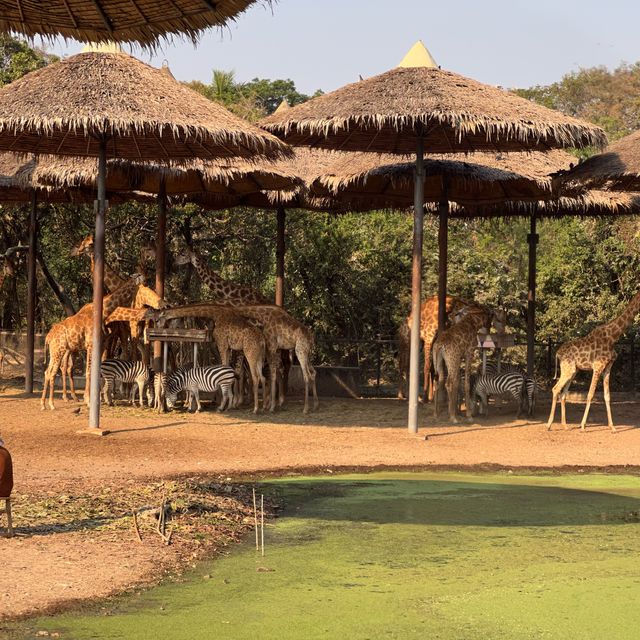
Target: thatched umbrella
[411,108]
[617,168]
[142,21]
[112,105]
[474,179]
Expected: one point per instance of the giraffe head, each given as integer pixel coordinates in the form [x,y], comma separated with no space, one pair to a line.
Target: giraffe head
[185,257]
[84,248]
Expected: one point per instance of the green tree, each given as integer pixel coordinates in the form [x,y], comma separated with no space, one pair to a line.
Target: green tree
[607,98]
[18,58]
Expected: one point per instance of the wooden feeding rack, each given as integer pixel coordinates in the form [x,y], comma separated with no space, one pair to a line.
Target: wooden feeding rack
[488,341]
[167,335]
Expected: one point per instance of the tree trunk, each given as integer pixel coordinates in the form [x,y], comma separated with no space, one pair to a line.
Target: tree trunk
[59,293]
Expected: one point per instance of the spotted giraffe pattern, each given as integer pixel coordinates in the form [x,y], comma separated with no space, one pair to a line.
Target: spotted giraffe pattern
[428,330]
[594,352]
[230,292]
[450,348]
[75,334]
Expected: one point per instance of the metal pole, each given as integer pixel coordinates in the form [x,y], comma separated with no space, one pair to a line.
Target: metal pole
[416,287]
[532,238]
[161,235]
[280,250]
[31,296]
[443,242]
[98,288]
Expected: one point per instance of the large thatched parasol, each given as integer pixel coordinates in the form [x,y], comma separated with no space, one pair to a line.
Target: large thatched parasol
[480,178]
[408,109]
[617,168]
[112,105]
[142,21]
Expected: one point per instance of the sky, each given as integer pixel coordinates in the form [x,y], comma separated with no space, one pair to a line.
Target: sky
[325,44]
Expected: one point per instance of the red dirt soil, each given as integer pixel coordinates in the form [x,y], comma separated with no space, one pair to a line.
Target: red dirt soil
[43,571]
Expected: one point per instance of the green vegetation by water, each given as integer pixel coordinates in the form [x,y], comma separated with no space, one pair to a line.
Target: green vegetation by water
[403,555]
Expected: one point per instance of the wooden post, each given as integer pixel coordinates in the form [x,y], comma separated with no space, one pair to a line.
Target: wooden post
[416,287]
[161,237]
[31,296]
[100,206]
[280,250]
[532,238]
[443,248]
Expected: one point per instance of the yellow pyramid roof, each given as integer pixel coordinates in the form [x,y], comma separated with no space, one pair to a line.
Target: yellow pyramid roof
[283,106]
[418,56]
[102,47]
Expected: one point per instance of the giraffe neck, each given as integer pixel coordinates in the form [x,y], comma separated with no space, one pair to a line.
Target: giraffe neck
[215,283]
[619,325]
[122,297]
[112,279]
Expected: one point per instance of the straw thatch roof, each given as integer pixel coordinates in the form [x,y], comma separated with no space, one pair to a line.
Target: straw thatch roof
[361,180]
[617,168]
[142,21]
[16,186]
[224,176]
[590,204]
[454,114]
[64,108]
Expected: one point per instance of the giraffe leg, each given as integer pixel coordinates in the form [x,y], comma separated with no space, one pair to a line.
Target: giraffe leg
[309,374]
[69,373]
[451,385]
[256,379]
[566,377]
[63,372]
[273,371]
[597,372]
[467,388]
[607,396]
[52,382]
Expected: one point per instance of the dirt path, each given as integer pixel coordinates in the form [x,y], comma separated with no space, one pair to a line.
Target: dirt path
[42,570]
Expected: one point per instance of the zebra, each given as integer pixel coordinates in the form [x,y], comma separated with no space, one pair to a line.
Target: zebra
[158,389]
[202,379]
[513,383]
[112,371]
[491,369]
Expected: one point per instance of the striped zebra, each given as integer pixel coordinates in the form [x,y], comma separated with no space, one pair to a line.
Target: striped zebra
[489,385]
[136,373]
[491,369]
[214,378]
[159,389]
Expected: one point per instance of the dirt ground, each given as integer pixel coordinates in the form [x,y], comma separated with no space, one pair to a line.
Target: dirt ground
[44,568]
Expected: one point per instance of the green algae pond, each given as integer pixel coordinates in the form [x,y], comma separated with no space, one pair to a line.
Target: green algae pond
[403,555]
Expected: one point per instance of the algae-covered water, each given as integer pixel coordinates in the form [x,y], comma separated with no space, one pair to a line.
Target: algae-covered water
[411,555]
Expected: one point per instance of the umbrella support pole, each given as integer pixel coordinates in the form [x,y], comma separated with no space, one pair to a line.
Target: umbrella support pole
[280,251]
[443,259]
[161,247]
[416,288]
[532,239]
[100,206]
[31,296]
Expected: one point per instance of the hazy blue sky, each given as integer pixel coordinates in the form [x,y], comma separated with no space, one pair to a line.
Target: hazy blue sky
[324,44]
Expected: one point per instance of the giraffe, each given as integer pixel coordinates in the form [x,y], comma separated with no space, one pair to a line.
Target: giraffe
[227,291]
[231,332]
[77,335]
[145,296]
[594,352]
[281,332]
[112,279]
[451,347]
[428,330]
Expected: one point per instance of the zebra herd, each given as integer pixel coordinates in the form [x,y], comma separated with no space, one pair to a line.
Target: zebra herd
[160,388]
